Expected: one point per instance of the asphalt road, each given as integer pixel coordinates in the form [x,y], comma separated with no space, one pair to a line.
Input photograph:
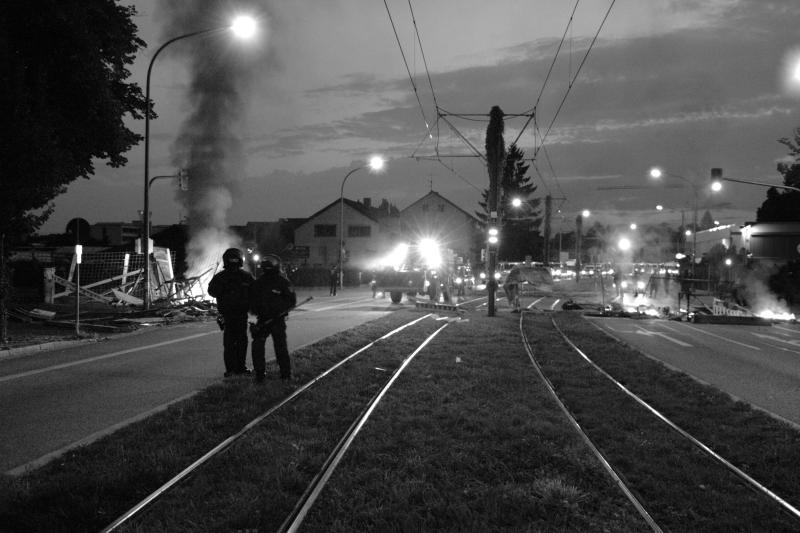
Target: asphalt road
[756,364]
[57,400]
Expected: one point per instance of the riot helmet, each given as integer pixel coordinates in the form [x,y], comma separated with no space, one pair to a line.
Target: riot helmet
[232,259]
[270,263]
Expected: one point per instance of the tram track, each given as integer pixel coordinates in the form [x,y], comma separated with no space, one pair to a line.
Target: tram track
[157,495]
[616,451]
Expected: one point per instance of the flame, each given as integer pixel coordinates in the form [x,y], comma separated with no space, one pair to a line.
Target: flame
[776,315]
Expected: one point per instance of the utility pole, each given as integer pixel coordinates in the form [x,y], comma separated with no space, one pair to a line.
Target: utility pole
[548,208]
[495,158]
[578,231]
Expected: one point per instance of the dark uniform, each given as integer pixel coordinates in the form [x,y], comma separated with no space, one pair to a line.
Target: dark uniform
[271,298]
[231,288]
[333,278]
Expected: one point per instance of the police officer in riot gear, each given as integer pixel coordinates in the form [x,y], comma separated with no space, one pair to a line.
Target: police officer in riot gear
[231,288]
[271,298]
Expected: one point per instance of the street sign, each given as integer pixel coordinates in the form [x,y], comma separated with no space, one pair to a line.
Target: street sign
[301,251]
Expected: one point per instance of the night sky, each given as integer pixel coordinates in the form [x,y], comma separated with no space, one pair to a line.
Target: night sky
[687,85]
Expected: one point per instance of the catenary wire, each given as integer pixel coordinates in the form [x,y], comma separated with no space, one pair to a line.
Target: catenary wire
[572,80]
[549,71]
[427,71]
[408,70]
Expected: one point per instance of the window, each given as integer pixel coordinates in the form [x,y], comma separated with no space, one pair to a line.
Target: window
[324,230]
[359,231]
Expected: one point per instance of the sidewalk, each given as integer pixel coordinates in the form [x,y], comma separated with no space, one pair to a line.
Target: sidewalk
[29,338]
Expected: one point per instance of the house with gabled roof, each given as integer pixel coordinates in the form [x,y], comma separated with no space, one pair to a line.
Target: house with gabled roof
[434,216]
[369,232]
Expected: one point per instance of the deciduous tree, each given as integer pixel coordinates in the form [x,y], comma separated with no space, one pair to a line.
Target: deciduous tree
[63,99]
[784,205]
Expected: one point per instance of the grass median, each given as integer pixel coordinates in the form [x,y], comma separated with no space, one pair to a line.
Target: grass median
[466,440]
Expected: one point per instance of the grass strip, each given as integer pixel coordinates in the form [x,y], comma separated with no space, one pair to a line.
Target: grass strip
[87,488]
[681,486]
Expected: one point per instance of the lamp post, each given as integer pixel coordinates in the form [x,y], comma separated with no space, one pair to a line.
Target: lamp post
[243,27]
[578,230]
[375,164]
[657,173]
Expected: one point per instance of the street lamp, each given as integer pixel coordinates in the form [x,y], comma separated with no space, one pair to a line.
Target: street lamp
[242,27]
[375,164]
[578,230]
[657,173]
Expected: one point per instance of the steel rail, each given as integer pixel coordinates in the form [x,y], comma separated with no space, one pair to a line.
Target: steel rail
[236,436]
[313,490]
[733,468]
[597,453]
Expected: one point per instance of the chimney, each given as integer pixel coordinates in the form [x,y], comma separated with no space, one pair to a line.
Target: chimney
[367,202]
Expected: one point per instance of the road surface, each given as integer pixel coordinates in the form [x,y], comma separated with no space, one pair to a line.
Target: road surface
[53,401]
[756,364]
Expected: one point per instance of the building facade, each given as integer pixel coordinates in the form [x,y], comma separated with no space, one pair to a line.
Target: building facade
[434,216]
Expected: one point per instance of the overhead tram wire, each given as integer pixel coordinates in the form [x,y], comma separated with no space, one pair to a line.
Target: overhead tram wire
[577,72]
[549,71]
[427,72]
[408,70]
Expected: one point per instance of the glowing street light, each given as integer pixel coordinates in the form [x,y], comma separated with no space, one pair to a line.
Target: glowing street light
[242,27]
[624,244]
[375,164]
[657,173]
[578,230]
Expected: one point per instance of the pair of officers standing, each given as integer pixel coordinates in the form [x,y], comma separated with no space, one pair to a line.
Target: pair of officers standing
[269,298]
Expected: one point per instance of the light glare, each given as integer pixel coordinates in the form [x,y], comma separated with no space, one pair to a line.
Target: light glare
[376,162]
[244,26]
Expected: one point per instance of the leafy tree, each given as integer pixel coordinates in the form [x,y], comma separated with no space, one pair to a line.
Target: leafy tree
[519,224]
[706,222]
[784,205]
[63,98]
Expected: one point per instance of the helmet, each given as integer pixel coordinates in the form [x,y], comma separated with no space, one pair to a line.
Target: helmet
[232,258]
[270,262]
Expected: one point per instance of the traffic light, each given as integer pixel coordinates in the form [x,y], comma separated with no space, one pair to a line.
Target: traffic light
[494,235]
[716,179]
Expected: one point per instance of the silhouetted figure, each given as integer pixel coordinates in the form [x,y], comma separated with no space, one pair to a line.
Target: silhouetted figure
[231,289]
[271,298]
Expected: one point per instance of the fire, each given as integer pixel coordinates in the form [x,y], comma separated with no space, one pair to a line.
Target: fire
[773,315]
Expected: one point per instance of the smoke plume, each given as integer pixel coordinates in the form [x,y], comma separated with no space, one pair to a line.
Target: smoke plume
[209,145]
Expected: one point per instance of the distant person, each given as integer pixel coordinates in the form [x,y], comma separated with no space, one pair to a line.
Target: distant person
[373,285]
[617,280]
[231,289]
[271,298]
[511,288]
[333,274]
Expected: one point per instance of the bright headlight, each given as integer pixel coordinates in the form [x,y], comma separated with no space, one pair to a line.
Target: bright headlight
[429,253]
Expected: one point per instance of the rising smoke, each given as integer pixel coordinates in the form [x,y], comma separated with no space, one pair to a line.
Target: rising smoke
[209,145]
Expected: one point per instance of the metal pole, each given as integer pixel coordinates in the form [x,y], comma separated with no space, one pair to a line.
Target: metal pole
[146,214]
[694,234]
[548,202]
[578,231]
[341,228]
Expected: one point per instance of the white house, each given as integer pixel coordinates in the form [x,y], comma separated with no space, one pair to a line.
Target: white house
[369,232]
[434,216]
